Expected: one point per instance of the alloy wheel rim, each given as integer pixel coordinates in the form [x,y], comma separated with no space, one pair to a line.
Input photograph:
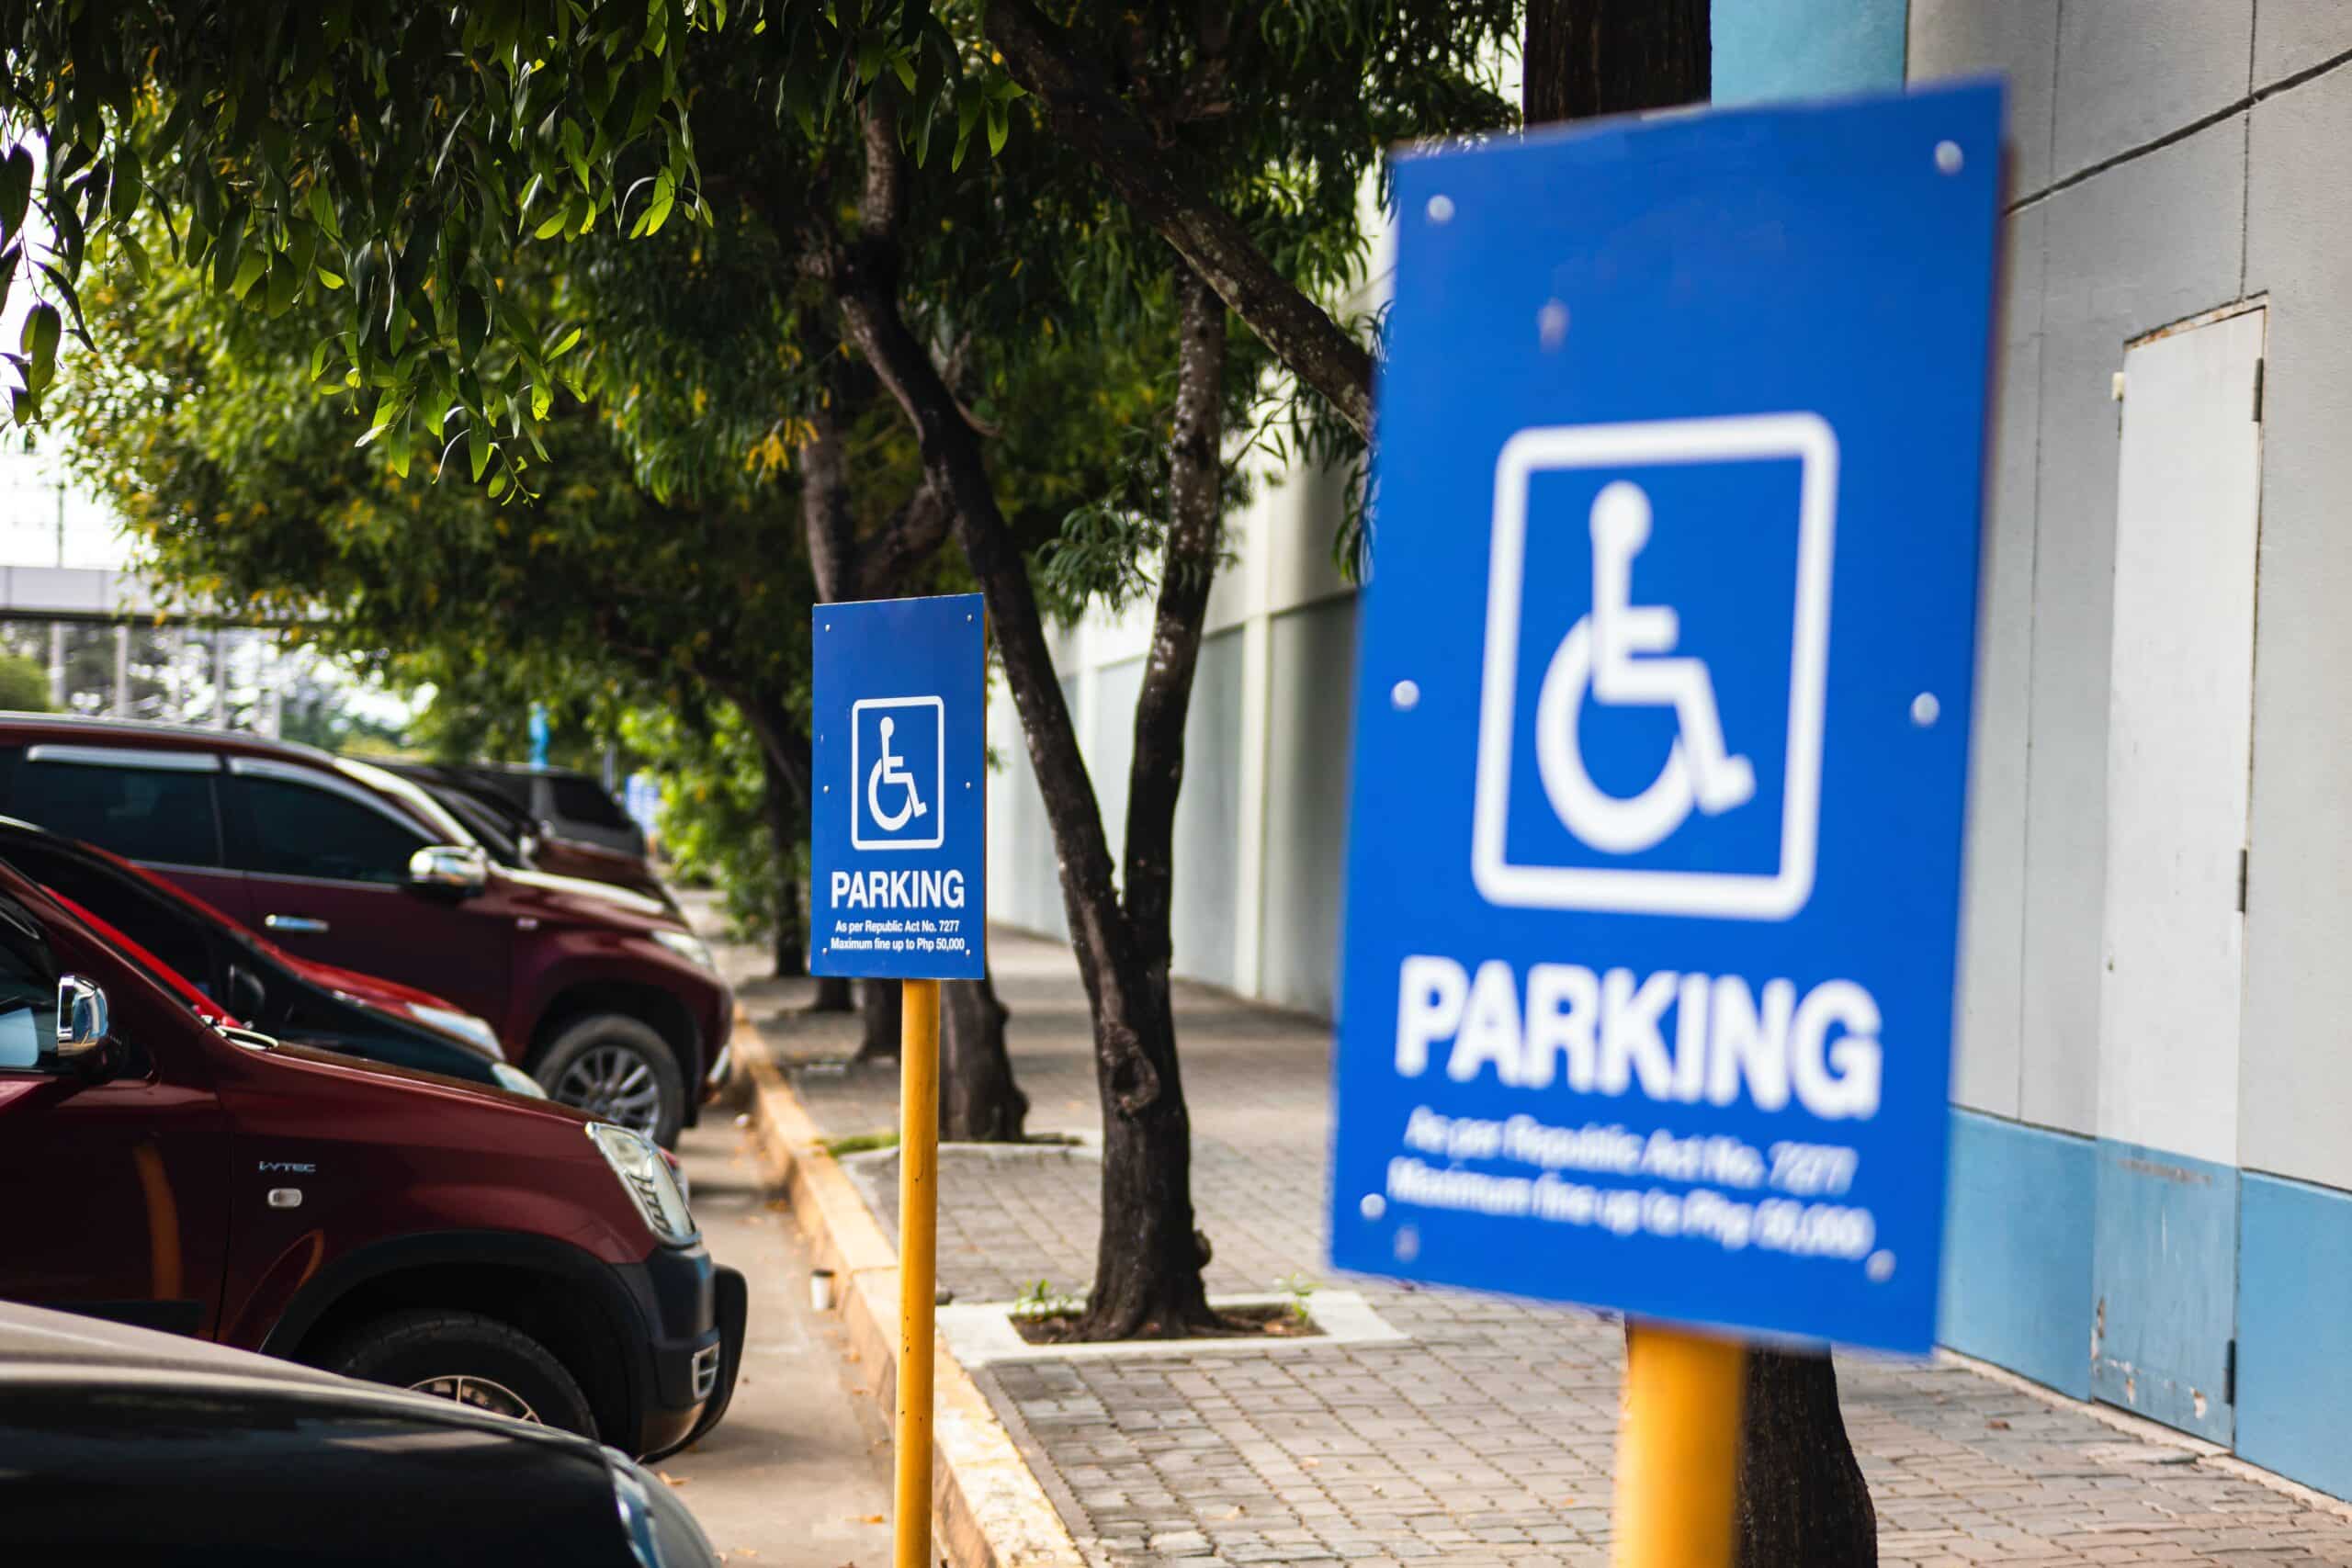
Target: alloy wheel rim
[616,1083]
[478,1393]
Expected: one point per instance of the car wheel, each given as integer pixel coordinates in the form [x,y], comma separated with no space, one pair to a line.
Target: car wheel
[474,1360]
[617,1067]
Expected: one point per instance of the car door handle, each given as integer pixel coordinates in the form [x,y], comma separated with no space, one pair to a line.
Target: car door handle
[294,923]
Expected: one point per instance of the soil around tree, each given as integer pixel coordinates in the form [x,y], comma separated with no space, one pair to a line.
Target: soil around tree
[1270,1321]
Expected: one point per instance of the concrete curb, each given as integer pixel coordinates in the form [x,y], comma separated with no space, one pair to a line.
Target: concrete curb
[987,1510]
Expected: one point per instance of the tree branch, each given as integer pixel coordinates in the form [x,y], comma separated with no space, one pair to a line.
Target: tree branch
[1196,485]
[866,276]
[1088,116]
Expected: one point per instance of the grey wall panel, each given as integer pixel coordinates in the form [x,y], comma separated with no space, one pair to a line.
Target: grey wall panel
[2296,1073]
[1208,817]
[1969,38]
[1110,750]
[1308,730]
[1035,900]
[2131,70]
[2296,34]
[2145,243]
[1985,1076]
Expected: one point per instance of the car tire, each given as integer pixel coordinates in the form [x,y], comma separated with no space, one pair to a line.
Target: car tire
[618,1068]
[462,1355]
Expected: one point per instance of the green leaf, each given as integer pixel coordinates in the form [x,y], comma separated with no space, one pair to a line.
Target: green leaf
[497,485]
[473,323]
[998,127]
[542,399]
[323,211]
[478,447]
[552,226]
[42,328]
[15,189]
[571,339]
[332,279]
[249,271]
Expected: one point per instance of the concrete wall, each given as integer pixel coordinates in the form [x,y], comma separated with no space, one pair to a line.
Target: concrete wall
[2169,158]
[1260,819]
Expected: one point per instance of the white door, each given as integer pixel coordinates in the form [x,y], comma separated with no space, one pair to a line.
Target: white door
[2180,726]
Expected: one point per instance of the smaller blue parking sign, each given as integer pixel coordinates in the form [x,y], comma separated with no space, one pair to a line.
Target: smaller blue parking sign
[1661,736]
[899,816]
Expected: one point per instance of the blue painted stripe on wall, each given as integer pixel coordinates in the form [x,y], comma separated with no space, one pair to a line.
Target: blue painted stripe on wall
[2164,1286]
[2017,1284]
[2295,1330]
[1806,48]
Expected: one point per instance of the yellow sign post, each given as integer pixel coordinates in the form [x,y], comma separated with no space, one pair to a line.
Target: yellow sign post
[1677,1448]
[918,1261]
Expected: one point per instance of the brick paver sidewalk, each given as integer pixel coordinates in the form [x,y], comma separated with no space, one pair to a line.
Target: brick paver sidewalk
[1484,1439]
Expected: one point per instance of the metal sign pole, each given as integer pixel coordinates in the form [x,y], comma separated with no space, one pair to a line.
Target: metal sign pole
[1677,1448]
[918,1261]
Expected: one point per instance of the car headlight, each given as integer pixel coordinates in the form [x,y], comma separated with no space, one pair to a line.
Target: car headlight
[661,1532]
[464,1025]
[637,1161]
[690,947]
[514,1080]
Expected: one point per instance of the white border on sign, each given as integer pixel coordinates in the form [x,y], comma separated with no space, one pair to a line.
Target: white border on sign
[1727,895]
[939,790]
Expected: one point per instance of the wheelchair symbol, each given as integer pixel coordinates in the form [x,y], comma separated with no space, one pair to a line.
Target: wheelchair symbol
[1618,654]
[905,739]
[891,770]
[1623,654]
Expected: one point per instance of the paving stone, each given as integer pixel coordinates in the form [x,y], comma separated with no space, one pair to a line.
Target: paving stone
[1486,1440]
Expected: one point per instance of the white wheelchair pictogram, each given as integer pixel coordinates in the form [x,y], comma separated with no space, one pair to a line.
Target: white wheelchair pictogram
[1619,654]
[890,769]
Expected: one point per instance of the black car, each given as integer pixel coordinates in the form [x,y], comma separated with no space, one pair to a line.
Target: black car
[258,984]
[123,1445]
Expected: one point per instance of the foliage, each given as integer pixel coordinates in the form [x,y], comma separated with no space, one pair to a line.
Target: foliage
[1038,1299]
[24,684]
[714,827]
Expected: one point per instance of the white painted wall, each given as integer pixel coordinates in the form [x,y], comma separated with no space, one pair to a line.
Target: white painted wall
[2125,221]
[1259,823]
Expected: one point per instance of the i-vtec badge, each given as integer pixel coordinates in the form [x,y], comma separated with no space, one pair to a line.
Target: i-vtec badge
[296,1167]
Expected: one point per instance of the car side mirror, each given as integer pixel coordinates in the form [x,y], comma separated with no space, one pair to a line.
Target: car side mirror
[82,1022]
[449,868]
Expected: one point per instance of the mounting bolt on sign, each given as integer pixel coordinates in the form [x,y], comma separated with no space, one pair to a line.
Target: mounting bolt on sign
[897,844]
[1660,766]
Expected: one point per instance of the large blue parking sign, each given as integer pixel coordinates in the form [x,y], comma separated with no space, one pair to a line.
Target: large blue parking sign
[1662,720]
[898,819]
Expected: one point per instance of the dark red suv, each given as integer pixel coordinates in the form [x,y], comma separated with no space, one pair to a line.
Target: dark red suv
[411,1230]
[604,996]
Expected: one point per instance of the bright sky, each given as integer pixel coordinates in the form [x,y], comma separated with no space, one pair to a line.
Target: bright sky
[28,514]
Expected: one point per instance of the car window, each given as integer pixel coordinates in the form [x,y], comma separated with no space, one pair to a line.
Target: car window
[27,987]
[294,829]
[582,800]
[155,922]
[152,814]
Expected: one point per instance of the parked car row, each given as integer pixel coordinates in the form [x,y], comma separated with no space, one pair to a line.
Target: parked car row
[599,991]
[230,1109]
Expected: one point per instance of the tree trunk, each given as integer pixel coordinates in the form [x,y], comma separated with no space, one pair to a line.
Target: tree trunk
[979,1102]
[1147,1273]
[883,1007]
[1148,1270]
[1803,1500]
[1594,57]
[832,995]
[781,806]
[1802,1496]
